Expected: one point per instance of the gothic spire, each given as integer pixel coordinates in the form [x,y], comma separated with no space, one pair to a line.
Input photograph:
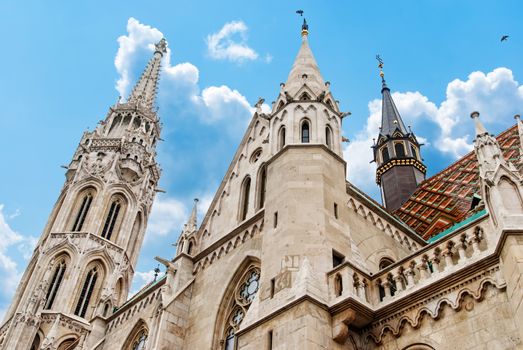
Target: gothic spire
[390,118]
[144,92]
[192,223]
[305,70]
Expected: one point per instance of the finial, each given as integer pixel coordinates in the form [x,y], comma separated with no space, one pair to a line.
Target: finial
[517,117]
[474,114]
[161,46]
[480,129]
[156,271]
[304,26]
[382,75]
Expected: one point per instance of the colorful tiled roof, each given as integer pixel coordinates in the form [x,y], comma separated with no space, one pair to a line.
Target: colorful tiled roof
[445,198]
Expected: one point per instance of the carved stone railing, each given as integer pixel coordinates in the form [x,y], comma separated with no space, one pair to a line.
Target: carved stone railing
[430,264]
[105,144]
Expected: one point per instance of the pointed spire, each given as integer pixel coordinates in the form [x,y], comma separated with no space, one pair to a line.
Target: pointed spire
[192,223]
[144,92]
[390,117]
[305,70]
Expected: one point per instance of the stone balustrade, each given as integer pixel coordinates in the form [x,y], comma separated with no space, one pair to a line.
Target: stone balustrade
[430,264]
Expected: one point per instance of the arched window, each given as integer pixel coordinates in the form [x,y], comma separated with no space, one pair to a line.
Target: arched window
[399,149]
[414,153]
[328,137]
[305,132]
[384,262]
[56,280]
[244,198]
[338,285]
[68,344]
[137,339]
[86,292]
[190,247]
[262,184]
[36,342]
[82,211]
[236,305]
[110,219]
[281,138]
[385,154]
[115,123]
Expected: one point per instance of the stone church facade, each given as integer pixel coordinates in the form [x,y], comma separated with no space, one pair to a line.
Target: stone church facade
[290,255]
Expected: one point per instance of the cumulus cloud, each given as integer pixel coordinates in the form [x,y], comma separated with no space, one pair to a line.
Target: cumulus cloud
[167,216]
[12,244]
[141,279]
[497,95]
[230,43]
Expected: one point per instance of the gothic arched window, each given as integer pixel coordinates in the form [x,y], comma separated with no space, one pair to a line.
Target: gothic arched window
[137,339]
[111,219]
[262,184]
[56,280]
[244,198]
[399,149]
[414,153]
[328,137]
[236,308]
[82,211]
[305,132]
[281,138]
[385,154]
[385,262]
[87,292]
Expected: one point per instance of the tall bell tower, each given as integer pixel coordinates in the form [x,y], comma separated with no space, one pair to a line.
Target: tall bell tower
[397,154]
[84,262]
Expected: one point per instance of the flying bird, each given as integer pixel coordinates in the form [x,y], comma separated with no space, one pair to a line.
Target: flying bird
[504,38]
[300,12]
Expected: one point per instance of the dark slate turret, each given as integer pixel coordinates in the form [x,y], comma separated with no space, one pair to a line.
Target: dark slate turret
[397,155]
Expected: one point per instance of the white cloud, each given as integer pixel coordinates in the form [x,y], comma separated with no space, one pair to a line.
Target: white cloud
[179,83]
[230,43]
[11,244]
[139,36]
[496,95]
[167,217]
[141,279]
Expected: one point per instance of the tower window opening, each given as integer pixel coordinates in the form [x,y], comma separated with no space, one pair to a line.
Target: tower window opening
[413,150]
[262,186]
[385,262]
[335,210]
[244,205]
[337,258]
[385,154]
[87,292]
[305,132]
[56,280]
[110,220]
[281,138]
[269,340]
[190,248]
[82,212]
[338,285]
[328,137]
[400,150]
[275,219]
[273,286]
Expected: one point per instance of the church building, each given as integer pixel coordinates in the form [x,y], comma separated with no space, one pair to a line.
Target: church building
[289,255]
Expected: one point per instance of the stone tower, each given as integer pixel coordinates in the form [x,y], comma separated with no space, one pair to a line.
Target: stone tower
[397,155]
[84,262]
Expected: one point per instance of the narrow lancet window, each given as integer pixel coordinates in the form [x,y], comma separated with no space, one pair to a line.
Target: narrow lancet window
[110,220]
[385,154]
[244,205]
[262,186]
[281,138]
[82,212]
[400,150]
[328,137]
[56,280]
[86,292]
[305,132]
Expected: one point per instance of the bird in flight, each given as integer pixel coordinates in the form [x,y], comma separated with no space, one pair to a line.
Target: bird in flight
[504,38]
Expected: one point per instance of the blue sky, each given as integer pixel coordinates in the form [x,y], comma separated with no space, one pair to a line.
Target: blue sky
[63,65]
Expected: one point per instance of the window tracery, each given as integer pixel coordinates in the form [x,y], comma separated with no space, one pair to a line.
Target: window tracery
[83,209]
[244,294]
[56,280]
